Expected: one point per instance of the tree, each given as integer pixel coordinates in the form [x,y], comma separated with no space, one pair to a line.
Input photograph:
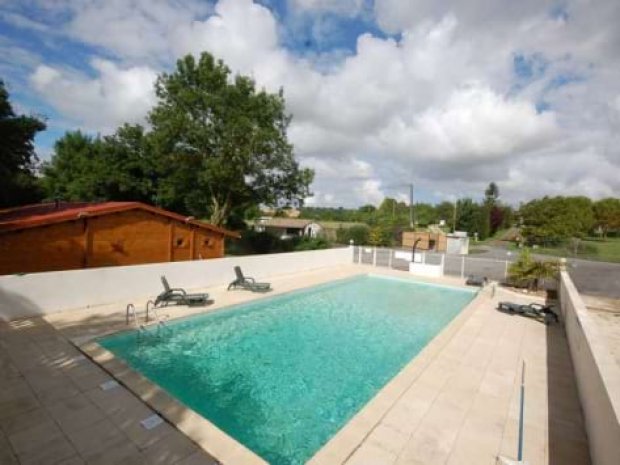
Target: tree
[529,272]
[359,235]
[491,194]
[130,170]
[17,155]
[607,215]
[223,142]
[445,211]
[74,172]
[496,219]
[467,216]
[378,236]
[116,167]
[555,219]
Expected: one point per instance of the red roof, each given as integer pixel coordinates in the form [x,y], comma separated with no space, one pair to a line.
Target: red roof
[32,216]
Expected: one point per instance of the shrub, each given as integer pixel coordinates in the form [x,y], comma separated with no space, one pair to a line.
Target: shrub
[527,272]
[359,235]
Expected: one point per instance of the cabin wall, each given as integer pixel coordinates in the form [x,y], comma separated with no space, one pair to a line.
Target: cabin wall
[48,248]
[410,237]
[116,239]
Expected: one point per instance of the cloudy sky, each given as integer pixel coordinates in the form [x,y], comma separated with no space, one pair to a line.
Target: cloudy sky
[447,94]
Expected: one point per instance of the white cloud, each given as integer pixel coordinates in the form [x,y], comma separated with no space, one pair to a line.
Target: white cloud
[241,32]
[475,123]
[344,7]
[440,105]
[115,96]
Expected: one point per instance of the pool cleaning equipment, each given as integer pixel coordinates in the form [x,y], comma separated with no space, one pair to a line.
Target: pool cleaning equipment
[519,461]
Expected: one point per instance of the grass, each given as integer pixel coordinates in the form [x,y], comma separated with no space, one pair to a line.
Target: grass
[589,249]
[498,236]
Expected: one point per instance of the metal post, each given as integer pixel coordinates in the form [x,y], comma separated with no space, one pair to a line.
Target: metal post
[390,258]
[454,217]
[359,254]
[506,270]
[374,256]
[462,267]
[411,205]
[521,414]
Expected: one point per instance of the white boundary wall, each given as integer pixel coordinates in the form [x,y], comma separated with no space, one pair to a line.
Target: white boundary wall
[49,292]
[597,374]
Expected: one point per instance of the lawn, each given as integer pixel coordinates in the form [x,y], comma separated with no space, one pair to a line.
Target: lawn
[590,249]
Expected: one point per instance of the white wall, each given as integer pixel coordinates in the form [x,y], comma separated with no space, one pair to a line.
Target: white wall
[41,293]
[597,374]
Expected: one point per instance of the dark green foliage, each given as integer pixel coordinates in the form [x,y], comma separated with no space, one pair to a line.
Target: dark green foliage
[551,220]
[221,143]
[314,243]
[18,183]
[530,273]
[445,211]
[117,167]
[217,148]
[253,242]
[359,235]
[380,236]
[607,215]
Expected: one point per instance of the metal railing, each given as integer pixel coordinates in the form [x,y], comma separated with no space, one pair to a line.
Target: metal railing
[453,265]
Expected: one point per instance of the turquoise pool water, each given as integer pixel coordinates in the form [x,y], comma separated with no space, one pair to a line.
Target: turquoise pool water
[282,375]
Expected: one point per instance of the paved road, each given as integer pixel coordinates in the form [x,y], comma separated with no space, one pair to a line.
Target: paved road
[590,277]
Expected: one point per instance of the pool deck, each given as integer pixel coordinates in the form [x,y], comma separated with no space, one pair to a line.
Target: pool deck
[456,402]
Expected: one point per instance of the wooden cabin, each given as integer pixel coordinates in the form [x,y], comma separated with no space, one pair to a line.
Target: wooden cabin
[66,236]
[431,241]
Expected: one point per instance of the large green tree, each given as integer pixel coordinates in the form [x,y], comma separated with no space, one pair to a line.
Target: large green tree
[115,167]
[607,215]
[554,219]
[18,184]
[222,143]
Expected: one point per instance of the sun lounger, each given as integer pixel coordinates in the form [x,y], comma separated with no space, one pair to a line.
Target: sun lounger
[476,281]
[534,310]
[179,296]
[244,282]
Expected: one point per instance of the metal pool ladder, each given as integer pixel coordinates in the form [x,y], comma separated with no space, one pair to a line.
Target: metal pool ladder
[131,314]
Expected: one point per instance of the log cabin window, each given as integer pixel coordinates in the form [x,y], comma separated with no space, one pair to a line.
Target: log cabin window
[179,242]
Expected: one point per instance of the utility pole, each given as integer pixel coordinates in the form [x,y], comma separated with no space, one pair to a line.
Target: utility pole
[454,216]
[411,205]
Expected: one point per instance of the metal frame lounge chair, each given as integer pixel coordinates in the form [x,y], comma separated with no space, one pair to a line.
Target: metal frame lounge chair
[244,282]
[477,281]
[534,310]
[178,296]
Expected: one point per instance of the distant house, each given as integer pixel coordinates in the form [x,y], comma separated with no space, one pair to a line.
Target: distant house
[66,236]
[286,228]
[436,240]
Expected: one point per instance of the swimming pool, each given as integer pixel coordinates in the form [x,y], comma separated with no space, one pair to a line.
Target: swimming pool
[283,374]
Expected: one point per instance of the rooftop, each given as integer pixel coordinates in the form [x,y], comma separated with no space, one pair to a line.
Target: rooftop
[31,216]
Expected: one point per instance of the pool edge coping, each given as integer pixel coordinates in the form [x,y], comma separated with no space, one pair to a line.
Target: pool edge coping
[227,450]
[223,448]
[343,444]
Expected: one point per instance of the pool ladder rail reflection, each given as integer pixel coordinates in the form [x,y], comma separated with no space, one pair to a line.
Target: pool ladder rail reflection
[146,328]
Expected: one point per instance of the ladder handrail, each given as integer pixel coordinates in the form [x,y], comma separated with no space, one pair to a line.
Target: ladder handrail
[131,309]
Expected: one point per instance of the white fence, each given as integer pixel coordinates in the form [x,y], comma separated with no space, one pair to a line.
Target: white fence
[597,375]
[41,293]
[453,265]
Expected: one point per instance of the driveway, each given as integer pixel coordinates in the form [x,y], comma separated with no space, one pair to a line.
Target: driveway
[590,277]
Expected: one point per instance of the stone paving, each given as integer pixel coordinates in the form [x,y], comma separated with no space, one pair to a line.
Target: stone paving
[459,405]
[464,407]
[53,410]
